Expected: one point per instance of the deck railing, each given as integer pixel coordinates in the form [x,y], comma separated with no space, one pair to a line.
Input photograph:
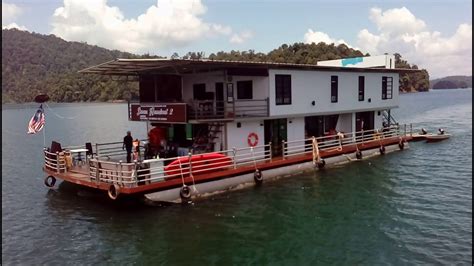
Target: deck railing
[56,162]
[159,170]
[209,109]
[156,170]
[305,146]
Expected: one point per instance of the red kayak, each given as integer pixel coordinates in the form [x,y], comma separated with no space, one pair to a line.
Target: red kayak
[200,163]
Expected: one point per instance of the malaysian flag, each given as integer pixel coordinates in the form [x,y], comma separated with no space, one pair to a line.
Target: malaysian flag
[37,121]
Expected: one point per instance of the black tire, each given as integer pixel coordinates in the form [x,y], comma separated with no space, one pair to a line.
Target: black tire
[321,164]
[257,177]
[359,155]
[185,193]
[113,191]
[50,181]
[382,150]
[401,145]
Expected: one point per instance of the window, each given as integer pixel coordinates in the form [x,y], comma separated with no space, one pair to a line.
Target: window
[334,89]
[282,89]
[199,91]
[244,90]
[387,88]
[361,87]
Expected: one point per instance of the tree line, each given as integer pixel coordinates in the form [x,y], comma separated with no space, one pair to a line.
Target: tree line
[33,63]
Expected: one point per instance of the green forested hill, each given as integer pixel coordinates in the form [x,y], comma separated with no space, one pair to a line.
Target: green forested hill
[452,82]
[34,63]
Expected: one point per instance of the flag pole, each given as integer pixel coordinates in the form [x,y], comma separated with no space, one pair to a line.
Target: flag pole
[44,136]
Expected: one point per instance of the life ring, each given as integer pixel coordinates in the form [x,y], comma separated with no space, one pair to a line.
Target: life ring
[254,142]
[401,145]
[113,191]
[185,193]
[359,155]
[321,164]
[382,150]
[50,181]
[257,176]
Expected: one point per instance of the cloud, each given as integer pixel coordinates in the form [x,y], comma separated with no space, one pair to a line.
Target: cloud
[399,31]
[169,23]
[318,36]
[13,26]
[239,38]
[10,12]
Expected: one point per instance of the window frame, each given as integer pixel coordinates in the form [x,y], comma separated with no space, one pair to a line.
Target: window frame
[361,91]
[387,87]
[283,80]
[242,93]
[334,88]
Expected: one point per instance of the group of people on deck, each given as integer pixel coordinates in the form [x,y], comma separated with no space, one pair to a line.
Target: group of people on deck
[131,145]
[155,147]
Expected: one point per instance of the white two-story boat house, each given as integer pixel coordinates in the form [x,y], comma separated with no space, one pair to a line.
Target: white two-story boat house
[216,124]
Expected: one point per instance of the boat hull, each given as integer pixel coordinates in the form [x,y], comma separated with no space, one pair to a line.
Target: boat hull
[436,138]
[206,189]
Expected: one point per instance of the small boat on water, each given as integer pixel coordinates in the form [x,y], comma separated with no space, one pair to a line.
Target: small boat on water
[435,138]
[430,137]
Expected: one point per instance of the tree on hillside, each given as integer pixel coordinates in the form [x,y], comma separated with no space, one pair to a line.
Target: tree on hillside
[415,81]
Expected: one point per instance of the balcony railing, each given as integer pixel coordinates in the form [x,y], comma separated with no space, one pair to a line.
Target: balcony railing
[208,109]
[179,112]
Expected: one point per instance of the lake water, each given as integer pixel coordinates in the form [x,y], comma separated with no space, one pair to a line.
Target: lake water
[409,207]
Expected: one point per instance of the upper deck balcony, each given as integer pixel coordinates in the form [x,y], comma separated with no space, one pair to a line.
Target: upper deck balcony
[197,110]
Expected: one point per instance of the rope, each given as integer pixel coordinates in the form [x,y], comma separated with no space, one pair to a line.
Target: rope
[191,174]
[181,170]
[57,115]
[316,157]
[253,157]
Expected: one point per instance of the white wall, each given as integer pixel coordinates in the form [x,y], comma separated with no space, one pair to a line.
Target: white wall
[309,85]
[295,131]
[210,79]
[344,123]
[363,61]
[237,137]
[259,85]
[378,119]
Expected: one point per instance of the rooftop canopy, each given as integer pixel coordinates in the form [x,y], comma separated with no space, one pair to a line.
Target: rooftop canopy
[135,67]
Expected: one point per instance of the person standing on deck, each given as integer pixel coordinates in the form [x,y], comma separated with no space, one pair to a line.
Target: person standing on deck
[127,144]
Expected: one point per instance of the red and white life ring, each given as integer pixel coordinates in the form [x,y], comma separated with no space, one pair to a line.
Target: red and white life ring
[252,139]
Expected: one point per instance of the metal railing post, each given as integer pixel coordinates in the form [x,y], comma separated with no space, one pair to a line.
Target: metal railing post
[283,148]
[270,150]
[57,162]
[136,172]
[190,164]
[234,158]
[405,129]
[97,171]
[411,130]
[97,150]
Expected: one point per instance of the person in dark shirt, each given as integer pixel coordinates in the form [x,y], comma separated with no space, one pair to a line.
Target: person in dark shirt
[127,144]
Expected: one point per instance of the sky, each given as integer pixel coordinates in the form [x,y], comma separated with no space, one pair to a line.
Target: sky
[435,35]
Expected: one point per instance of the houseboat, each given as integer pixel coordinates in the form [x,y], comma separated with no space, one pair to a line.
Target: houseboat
[218,125]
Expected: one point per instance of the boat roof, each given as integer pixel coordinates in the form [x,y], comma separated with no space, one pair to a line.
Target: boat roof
[134,67]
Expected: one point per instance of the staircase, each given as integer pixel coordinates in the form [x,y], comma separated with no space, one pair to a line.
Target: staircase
[388,119]
[205,140]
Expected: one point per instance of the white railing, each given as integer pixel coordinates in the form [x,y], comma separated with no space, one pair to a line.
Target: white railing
[56,161]
[305,146]
[158,170]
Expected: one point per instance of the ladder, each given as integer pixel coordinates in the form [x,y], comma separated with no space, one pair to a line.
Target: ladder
[205,140]
[388,118]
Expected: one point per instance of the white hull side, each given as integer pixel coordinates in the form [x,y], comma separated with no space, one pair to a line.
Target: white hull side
[238,182]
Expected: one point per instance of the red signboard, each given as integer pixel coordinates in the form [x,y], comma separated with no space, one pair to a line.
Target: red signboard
[158,112]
